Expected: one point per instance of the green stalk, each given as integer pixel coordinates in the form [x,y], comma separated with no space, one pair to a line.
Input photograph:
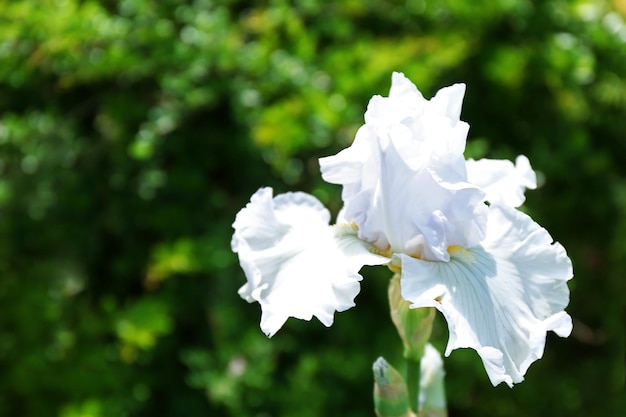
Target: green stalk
[413,383]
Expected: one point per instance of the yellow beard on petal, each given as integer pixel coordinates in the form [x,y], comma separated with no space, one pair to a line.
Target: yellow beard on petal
[346,228]
[459,252]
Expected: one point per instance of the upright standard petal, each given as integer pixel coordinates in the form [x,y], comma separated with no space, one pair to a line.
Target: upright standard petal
[500,297]
[503,182]
[297,265]
[426,134]
[353,167]
[414,211]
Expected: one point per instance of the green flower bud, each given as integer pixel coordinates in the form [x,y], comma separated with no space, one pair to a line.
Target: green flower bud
[432,396]
[390,392]
[414,325]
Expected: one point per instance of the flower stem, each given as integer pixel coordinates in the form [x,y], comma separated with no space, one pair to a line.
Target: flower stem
[413,383]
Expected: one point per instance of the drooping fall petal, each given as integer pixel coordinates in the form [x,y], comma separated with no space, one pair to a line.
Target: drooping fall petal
[500,297]
[297,265]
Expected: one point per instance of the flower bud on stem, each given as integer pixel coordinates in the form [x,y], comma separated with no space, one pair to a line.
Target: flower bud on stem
[390,391]
[432,395]
[414,325]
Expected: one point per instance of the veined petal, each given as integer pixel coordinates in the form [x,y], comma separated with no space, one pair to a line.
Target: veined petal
[503,182]
[297,265]
[356,251]
[499,298]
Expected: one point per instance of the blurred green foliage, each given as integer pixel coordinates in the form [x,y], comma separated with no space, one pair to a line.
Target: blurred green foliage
[131,132]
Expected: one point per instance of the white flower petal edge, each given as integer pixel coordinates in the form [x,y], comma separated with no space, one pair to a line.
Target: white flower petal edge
[503,182]
[297,265]
[500,297]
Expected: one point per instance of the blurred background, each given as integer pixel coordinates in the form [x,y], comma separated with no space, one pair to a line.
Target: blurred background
[131,133]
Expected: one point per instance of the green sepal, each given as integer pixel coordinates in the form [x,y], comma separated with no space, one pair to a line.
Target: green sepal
[414,325]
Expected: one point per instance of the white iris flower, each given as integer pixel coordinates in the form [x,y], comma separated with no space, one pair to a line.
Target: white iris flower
[412,201]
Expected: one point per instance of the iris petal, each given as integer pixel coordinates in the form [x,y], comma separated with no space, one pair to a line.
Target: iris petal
[297,265]
[414,211]
[404,177]
[500,297]
[503,182]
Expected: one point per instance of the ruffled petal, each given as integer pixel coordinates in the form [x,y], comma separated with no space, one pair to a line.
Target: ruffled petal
[404,177]
[405,101]
[426,134]
[503,182]
[499,298]
[414,211]
[402,87]
[297,265]
[448,101]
